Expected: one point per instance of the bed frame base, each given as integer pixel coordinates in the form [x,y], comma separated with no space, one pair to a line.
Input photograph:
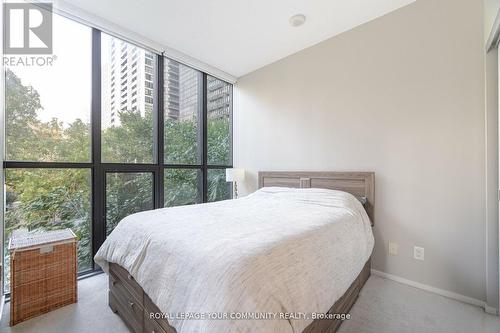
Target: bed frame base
[135,308]
[343,305]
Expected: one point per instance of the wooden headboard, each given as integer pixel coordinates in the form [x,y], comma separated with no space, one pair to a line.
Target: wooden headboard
[359,184]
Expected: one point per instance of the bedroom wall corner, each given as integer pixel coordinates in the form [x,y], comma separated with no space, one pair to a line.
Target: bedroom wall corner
[491,10]
[404,96]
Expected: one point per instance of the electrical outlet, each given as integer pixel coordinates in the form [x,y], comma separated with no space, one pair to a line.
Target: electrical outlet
[393,248]
[418,253]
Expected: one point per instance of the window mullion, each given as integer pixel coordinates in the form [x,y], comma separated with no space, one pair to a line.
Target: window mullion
[205,146]
[160,129]
[98,218]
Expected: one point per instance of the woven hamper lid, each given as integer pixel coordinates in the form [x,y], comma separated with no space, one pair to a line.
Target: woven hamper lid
[22,238]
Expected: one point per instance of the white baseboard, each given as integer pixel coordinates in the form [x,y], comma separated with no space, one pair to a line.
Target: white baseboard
[490,310]
[442,292]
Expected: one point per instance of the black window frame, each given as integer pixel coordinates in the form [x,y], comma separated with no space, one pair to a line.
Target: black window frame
[99,169]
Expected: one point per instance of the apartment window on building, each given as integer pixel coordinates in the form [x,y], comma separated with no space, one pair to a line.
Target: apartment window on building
[124,168]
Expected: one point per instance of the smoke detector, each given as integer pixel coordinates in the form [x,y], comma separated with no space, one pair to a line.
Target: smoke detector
[297,20]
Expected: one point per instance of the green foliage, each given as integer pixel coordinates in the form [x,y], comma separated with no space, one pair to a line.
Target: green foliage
[182,187]
[218,141]
[51,199]
[132,142]
[30,139]
[181,142]
[127,193]
[218,188]
[22,104]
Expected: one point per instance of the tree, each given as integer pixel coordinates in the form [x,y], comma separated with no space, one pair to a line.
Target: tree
[22,104]
[132,141]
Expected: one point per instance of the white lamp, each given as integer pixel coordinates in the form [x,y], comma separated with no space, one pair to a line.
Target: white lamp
[235,175]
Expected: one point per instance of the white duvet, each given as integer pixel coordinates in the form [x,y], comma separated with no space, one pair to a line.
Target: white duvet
[278,250]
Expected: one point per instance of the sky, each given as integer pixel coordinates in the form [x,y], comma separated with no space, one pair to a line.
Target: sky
[65,87]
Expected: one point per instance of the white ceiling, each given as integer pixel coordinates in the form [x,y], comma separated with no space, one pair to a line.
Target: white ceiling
[237,36]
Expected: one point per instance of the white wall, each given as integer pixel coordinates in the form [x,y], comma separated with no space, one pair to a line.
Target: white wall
[402,96]
[491,8]
[490,13]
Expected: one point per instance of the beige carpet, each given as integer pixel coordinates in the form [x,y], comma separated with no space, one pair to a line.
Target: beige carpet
[383,307]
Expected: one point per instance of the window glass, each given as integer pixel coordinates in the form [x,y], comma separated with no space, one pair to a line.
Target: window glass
[218,188]
[50,199]
[127,87]
[48,120]
[219,101]
[182,187]
[183,100]
[127,193]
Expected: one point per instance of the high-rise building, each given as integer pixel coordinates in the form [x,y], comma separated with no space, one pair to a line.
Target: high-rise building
[218,98]
[182,91]
[128,80]
[128,84]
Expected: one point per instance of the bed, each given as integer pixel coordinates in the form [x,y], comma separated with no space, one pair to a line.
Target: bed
[291,257]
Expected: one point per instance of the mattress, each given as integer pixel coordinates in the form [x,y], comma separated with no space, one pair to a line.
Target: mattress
[267,262]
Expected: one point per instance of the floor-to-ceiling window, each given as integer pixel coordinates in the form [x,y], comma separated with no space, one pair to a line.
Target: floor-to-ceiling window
[183,128]
[48,176]
[107,130]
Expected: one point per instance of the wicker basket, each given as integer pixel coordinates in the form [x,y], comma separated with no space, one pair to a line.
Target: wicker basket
[43,271]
